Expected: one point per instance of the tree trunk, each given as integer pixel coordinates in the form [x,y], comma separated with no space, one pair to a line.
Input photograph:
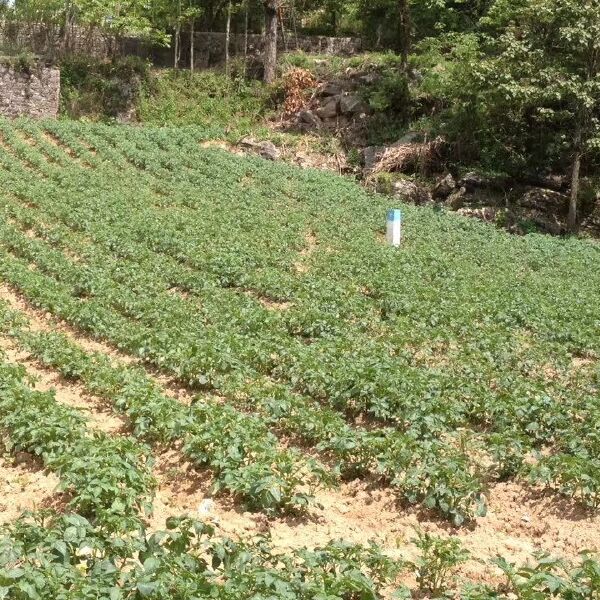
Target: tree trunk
[227,37]
[176,48]
[282,24]
[177,37]
[270,61]
[572,218]
[246,19]
[576,168]
[405,31]
[192,44]
[295,23]
[66,32]
[379,34]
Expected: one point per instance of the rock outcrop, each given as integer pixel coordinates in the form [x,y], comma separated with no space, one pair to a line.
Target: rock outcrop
[267,150]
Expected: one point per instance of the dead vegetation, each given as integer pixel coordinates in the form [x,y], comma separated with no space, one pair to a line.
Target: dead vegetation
[424,157]
[296,83]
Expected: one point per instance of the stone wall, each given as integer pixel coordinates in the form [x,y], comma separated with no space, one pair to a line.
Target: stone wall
[209,46]
[49,41]
[30,91]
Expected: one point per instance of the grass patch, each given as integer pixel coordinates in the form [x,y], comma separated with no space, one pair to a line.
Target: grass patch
[208,99]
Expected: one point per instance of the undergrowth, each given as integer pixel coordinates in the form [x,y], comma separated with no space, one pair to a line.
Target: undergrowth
[209,99]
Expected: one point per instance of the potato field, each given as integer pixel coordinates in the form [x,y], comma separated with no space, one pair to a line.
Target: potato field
[218,381]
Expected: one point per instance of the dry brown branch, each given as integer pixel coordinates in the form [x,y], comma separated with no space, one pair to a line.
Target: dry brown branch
[422,157]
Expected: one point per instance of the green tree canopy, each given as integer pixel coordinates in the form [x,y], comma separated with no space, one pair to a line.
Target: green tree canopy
[542,70]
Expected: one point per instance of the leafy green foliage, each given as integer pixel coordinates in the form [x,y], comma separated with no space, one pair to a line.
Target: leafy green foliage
[238,448]
[553,578]
[439,557]
[107,479]
[97,89]
[236,278]
[47,558]
[208,99]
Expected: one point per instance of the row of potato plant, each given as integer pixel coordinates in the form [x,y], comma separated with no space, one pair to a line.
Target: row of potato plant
[430,471]
[107,479]
[45,556]
[433,339]
[237,447]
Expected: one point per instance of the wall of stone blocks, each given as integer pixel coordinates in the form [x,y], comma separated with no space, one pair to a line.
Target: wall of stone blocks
[209,46]
[32,91]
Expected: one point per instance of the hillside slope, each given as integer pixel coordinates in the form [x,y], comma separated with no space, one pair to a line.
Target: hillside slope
[314,353]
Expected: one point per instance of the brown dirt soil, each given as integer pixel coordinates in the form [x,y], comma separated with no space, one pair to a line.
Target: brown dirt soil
[222,145]
[267,302]
[520,521]
[182,489]
[40,321]
[25,486]
[98,414]
[310,245]
[301,153]
[55,141]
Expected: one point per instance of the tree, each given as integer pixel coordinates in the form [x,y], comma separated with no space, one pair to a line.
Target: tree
[270,60]
[405,31]
[227,37]
[546,61]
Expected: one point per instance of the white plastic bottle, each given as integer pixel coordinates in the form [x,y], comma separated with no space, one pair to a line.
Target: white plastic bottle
[394,227]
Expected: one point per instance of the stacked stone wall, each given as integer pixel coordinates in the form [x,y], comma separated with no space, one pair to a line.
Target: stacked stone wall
[209,46]
[32,91]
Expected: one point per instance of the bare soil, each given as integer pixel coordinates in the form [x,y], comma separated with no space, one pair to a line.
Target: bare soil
[520,521]
[97,412]
[310,244]
[40,321]
[24,485]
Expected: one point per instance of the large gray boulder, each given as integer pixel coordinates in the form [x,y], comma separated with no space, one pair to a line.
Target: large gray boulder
[542,220]
[544,208]
[456,199]
[309,118]
[329,108]
[444,187]
[411,192]
[331,89]
[352,105]
[474,181]
[371,156]
[268,150]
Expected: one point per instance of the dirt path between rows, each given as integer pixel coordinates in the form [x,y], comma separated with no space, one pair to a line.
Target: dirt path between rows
[24,485]
[98,414]
[520,521]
